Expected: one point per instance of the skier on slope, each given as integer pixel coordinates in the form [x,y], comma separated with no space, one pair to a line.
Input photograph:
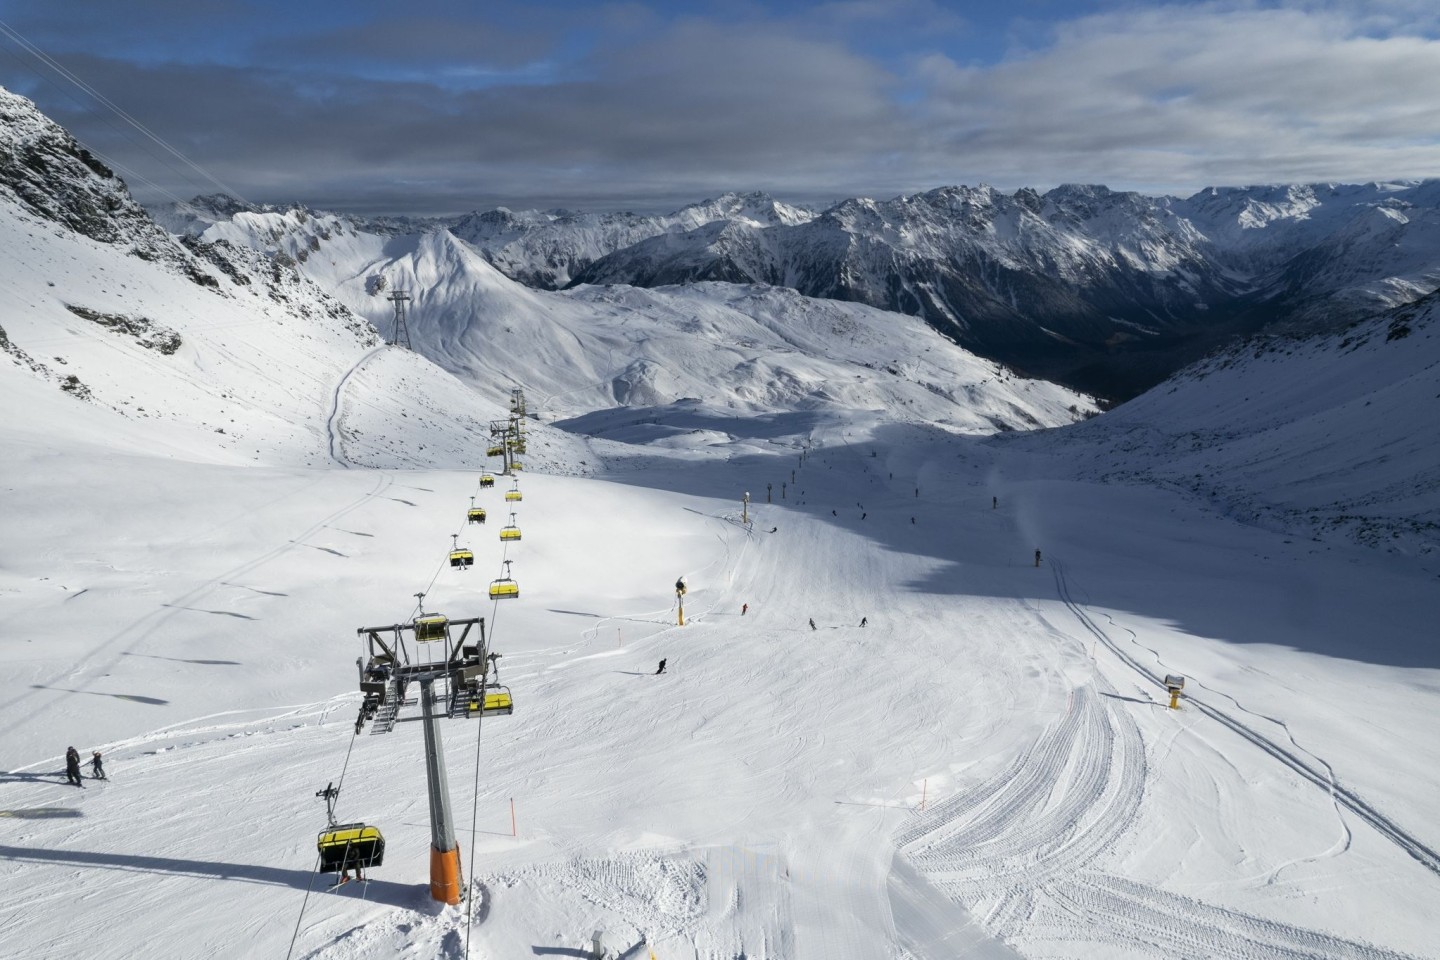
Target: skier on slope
[744,609]
[812,623]
[97,770]
[72,766]
[864,620]
[1037,556]
[660,669]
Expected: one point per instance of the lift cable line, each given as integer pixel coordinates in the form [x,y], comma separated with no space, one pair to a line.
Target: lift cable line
[105,101]
[468,680]
[131,175]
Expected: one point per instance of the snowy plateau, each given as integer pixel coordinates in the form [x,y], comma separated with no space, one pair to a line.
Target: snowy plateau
[916,711]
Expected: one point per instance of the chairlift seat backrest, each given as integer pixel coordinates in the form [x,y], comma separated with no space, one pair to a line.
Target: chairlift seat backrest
[431,626]
[497,702]
[350,846]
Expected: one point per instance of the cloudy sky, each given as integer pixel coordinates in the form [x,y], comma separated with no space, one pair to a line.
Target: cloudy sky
[444,106]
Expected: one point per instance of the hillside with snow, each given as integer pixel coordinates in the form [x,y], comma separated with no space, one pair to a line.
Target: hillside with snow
[738,348]
[916,710]
[1103,290]
[1329,436]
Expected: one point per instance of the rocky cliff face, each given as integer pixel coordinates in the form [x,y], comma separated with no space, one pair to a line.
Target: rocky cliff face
[50,175]
[48,179]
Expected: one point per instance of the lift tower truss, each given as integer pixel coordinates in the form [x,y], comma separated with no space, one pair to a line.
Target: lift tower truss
[401,335]
[456,677]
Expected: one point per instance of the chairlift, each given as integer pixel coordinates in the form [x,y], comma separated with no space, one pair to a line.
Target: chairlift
[518,446]
[350,846]
[505,588]
[461,557]
[475,514]
[496,701]
[486,480]
[516,465]
[496,698]
[347,846]
[431,626]
[514,495]
[495,452]
[510,531]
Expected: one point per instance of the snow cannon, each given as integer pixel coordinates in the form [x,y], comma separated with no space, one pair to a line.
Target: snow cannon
[1174,684]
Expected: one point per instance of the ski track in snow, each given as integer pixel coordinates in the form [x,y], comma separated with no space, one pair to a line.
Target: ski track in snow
[1346,797]
[332,419]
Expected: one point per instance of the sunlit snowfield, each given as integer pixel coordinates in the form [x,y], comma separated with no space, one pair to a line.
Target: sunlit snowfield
[978,769]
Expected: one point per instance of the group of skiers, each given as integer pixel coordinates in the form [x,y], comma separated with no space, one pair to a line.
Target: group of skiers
[72,766]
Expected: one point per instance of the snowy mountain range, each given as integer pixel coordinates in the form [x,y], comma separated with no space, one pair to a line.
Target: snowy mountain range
[1106,291]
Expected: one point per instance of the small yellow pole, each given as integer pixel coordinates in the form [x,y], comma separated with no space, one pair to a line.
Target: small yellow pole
[682,613]
[1174,699]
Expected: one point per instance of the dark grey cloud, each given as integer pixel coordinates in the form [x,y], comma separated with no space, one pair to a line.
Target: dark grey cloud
[416,42]
[647,111]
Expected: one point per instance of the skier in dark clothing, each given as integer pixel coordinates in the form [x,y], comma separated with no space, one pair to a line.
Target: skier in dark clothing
[864,620]
[96,769]
[864,515]
[72,767]
[660,669]
[812,623]
[994,502]
[744,609]
[1037,557]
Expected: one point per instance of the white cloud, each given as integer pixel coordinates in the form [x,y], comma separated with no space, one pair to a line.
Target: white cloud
[1181,96]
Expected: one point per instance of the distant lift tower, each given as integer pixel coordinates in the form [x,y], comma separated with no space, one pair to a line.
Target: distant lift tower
[457,677]
[507,437]
[401,336]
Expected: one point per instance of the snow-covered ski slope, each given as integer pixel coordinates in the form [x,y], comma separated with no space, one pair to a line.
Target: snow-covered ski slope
[764,797]
[986,769]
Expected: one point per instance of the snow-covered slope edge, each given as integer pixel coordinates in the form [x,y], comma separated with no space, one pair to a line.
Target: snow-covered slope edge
[1319,436]
[204,350]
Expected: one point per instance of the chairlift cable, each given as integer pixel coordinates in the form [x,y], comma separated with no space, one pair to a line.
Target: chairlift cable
[105,101]
[303,904]
[475,804]
[131,174]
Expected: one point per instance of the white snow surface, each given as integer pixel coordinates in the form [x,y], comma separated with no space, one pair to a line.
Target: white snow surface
[985,769]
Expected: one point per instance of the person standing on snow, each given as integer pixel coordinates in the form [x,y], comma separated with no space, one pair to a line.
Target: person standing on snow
[744,609]
[812,623]
[96,769]
[72,766]
[660,669]
[1037,556]
[864,620]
